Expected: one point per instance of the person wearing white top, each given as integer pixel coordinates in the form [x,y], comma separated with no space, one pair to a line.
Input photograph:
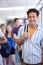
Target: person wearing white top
[3,40]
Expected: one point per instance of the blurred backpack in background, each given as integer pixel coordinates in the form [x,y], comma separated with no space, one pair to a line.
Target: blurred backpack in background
[5,49]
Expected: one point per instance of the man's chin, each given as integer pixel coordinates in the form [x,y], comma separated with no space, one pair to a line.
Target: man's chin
[33,24]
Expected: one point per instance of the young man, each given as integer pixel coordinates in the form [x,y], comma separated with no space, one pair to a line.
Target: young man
[32,40]
[16,26]
[2,41]
[15,31]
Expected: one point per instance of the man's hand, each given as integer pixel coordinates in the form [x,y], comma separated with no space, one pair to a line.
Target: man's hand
[25,35]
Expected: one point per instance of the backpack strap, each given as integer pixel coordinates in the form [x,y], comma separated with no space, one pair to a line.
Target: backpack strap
[26,28]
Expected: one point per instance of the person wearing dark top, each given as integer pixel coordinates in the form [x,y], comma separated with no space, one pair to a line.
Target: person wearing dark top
[15,31]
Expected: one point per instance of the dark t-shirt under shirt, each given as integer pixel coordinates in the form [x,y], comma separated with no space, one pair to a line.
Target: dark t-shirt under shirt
[15,29]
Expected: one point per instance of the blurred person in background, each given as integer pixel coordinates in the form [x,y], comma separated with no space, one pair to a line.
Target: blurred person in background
[15,31]
[2,41]
[9,35]
[3,29]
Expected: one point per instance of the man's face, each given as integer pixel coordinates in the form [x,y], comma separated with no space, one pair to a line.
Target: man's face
[32,17]
[17,22]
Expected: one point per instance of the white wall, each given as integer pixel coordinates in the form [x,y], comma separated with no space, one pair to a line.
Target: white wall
[2,20]
[42,17]
[40,21]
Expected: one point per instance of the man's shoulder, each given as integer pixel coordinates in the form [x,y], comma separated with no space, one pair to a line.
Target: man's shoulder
[40,28]
[41,31]
[22,27]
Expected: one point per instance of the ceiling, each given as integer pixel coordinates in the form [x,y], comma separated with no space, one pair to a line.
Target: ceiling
[16,3]
[17,8]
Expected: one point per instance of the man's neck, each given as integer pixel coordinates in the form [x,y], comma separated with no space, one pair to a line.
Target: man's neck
[33,26]
[16,25]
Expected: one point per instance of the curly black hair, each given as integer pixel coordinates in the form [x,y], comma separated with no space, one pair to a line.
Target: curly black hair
[33,10]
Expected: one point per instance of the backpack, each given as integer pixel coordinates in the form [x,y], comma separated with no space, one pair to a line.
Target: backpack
[21,46]
[5,49]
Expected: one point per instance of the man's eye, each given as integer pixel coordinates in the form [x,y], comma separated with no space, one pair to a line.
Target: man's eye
[33,16]
[30,17]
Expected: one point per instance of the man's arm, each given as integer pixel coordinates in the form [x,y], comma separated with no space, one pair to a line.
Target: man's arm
[19,41]
[24,36]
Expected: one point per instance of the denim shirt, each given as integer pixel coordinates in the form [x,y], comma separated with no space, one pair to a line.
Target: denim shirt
[32,52]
